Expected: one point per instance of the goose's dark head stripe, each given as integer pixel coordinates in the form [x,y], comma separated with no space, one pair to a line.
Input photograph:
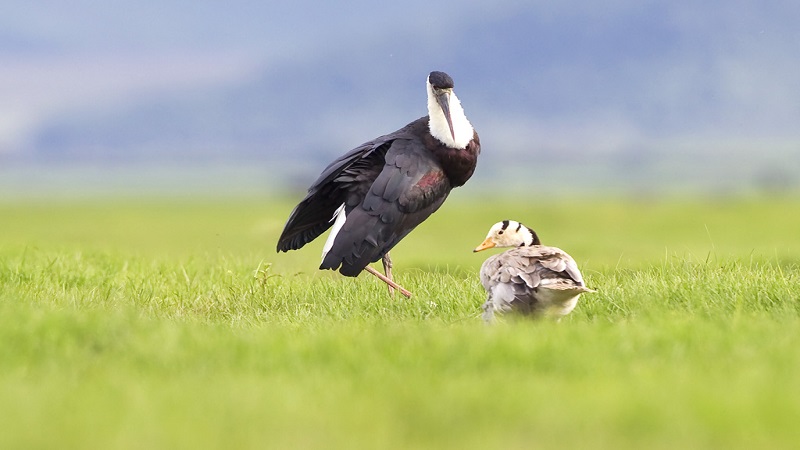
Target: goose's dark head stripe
[506,223]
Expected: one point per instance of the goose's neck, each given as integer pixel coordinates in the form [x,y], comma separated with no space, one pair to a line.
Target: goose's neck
[527,236]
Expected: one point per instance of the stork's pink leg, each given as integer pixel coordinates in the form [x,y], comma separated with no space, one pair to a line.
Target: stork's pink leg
[387,269]
[388,281]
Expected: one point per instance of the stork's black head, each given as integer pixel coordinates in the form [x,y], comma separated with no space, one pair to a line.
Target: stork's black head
[440,80]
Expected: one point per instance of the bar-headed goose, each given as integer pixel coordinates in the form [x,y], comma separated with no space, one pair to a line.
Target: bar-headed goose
[531,278]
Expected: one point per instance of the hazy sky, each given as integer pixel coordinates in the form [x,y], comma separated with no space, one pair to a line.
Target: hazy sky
[608,73]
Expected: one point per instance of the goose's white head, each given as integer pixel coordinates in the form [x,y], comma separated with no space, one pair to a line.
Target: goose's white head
[509,233]
[447,121]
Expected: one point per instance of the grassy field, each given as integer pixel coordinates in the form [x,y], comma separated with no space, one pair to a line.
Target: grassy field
[174,324]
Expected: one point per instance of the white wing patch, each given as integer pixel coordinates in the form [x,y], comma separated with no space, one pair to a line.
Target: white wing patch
[338,219]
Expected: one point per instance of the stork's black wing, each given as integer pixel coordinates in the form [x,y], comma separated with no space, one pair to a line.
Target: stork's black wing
[410,187]
[345,180]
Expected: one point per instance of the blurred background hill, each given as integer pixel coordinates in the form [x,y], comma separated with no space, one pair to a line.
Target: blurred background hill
[569,97]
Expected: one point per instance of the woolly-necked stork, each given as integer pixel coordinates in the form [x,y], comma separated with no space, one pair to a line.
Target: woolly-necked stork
[374,195]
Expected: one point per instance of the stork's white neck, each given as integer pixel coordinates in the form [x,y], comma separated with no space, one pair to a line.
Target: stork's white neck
[437,123]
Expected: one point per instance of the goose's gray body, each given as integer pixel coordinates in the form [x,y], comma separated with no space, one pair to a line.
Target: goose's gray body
[532,280]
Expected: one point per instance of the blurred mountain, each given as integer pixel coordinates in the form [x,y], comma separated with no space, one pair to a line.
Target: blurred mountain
[628,94]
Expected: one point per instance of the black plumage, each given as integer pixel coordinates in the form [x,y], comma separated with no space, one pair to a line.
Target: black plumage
[388,186]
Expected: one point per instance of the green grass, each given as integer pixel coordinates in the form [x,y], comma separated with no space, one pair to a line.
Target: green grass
[174,324]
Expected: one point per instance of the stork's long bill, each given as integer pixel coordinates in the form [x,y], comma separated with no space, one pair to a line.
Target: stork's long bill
[443,98]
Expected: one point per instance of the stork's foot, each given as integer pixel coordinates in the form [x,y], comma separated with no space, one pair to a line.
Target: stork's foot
[388,281]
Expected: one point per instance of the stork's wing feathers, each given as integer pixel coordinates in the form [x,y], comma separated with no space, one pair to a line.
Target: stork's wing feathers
[410,181]
[351,165]
[342,178]
[388,186]
[410,187]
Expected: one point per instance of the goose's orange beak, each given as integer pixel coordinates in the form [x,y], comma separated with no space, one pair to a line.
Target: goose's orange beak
[487,243]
